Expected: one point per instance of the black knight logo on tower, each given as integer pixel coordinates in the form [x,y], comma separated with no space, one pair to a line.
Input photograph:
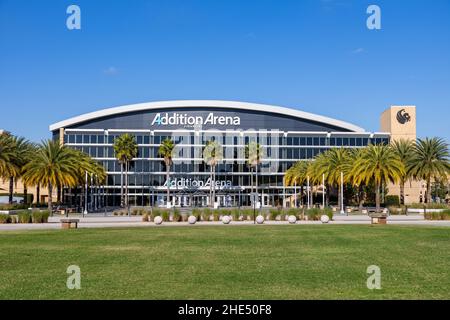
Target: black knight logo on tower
[403,117]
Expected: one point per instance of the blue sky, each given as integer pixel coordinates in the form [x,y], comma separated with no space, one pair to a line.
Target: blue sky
[314,55]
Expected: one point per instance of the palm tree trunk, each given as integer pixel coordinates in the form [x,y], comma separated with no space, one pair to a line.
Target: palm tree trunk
[50,198]
[377,197]
[361,198]
[11,189]
[251,178]
[168,182]
[38,193]
[429,189]
[122,203]
[301,195]
[402,192]
[214,186]
[327,195]
[126,184]
[25,194]
[211,186]
[58,194]
[339,198]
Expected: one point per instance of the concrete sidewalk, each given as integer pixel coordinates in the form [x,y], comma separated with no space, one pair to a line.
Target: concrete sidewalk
[136,221]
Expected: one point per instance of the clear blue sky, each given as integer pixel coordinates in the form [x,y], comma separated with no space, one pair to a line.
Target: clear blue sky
[314,55]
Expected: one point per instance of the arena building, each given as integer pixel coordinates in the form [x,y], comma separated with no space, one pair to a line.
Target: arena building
[285,136]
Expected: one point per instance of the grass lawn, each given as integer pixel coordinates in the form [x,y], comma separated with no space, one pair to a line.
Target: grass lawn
[240,262]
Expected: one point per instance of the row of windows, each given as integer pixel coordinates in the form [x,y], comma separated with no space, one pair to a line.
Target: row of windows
[235,140]
[197,152]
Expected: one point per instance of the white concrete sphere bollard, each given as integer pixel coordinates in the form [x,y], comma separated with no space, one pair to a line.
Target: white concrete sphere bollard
[158,220]
[192,219]
[259,219]
[324,218]
[292,219]
[226,219]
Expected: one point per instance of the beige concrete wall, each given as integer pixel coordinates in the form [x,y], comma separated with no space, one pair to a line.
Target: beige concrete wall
[401,122]
[18,189]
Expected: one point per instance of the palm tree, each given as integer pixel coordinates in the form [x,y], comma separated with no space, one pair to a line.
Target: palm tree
[253,155]
[52,165]
[212,155]
[7,153]
[404,150]
[430,160]
[378,164]
[126,149]
[335,164]
[166,151]
[25,151]
[297,175]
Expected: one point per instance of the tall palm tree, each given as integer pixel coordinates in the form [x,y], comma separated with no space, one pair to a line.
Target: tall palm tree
[126,149]
[335,163]
[404,150]
[253,156]
[378,164]
[52,165]
[212,155]
[430,160]
[166,150]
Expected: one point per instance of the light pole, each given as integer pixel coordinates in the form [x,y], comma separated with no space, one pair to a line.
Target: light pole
[323,190]
[295,194]
[308,193]
[342,193]
[86,195]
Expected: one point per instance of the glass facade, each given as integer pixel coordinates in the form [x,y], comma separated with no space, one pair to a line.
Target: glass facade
[189,174]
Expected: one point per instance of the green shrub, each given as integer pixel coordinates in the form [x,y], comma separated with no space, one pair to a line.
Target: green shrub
[40,216]
[429,206]
[176,216]
[145,217]
[235,213]
[206,214]
[293,212]
[7,207]
[165,215]
[197,213]
[313,214]
[444,215]
[274,213]
[392,200]
[5,218]
[329,212]
[24,217]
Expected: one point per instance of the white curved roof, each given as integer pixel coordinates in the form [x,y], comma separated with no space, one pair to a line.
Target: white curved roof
[204,104]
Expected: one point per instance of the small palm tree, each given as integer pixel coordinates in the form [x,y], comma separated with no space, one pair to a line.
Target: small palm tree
[52,165]
[297,175]
[7,154]
[253,155]
[166,150]
[212,155]
[404,150]
[430,160]
[126,149]
[378,164]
